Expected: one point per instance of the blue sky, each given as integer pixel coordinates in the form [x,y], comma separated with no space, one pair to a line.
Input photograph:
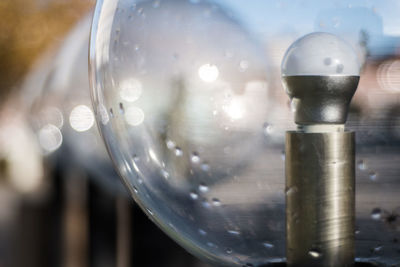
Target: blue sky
[271,17]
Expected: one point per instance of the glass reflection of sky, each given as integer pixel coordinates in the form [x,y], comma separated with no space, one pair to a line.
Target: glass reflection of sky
[378,19]
[290,15]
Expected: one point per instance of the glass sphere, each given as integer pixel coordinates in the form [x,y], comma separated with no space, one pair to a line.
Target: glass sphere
[320,53]
[57,99]
[189,101]
[181,110]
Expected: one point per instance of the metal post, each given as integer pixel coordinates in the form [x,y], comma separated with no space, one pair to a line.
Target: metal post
[320,201]
[320,174]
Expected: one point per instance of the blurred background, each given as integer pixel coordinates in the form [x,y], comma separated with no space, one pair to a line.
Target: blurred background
[61,202]
[55,210]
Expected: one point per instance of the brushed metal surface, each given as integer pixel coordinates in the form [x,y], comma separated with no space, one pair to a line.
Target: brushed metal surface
[321,99]
[320,199]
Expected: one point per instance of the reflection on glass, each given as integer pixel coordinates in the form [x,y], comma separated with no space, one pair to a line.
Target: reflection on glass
[235,108]
[131,90]
[208,73]
[134,116]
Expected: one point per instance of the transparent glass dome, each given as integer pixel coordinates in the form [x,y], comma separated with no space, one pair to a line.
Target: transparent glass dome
[320,53]
[189,101]
[57,101]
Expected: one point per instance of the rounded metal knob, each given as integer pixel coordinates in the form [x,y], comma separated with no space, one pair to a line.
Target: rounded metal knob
[320,73]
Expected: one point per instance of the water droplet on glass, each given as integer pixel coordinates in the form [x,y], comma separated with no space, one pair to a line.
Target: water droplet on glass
[327,61]
[314,253]
[111,113]
[102,111]
[373,176]
[229,250]
[136,47]
[135,189]
[291,190]
[212,245]
[195,158]
[283,156]
[336,22]
[140,181]
[208,73]
[339,68]
[178,151]
[203,188]
[156,3]
[244,65]
[294,104]
[234,232]
[268,245]
[205,204]
[121,108]
[268,128]
[150,212]
[377,249]
[136,158]
[170,144]
[376,214]
[202,232]
[193,195]
[361,165]
[216,202]
[205,167]
[165,174]
[172,226]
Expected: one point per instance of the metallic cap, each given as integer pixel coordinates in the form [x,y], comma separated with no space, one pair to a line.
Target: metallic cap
[320,99]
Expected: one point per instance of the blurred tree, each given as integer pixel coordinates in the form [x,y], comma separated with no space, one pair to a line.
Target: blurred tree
[27,28]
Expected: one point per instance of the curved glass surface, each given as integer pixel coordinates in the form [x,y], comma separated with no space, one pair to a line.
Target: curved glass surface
[188,98]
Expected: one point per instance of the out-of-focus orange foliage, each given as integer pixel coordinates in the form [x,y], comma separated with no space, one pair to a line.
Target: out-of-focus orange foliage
[27,28]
